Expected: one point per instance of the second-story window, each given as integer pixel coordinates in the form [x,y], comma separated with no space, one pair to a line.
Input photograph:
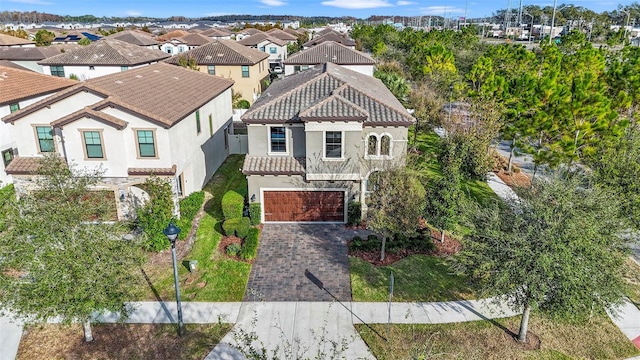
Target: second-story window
[211,69]
[278,139]
[124,68]
[14,107]
[245,71]
[45,138]
[333,144]
[372,145]
[198,126]
[57,71]
[146,143]
[93,144]
[273,50]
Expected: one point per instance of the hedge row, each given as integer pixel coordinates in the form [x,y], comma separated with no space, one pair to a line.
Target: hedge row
[254,213]
[189,208]
[249,249]
[238,226]
[232,205]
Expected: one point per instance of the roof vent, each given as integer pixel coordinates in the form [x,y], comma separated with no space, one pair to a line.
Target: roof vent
[139,76]
[220,55]
[208,57]
[119,82]
[156,71]
[175,77]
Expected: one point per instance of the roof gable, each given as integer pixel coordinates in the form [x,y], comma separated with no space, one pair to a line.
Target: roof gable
[222,52]
[108,52]
[17,85]
[336,37]
[329,51]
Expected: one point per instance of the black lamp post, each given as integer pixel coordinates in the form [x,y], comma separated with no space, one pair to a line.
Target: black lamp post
[172,232]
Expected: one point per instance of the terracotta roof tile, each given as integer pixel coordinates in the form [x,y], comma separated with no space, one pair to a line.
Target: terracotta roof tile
[329,51]
[8,40]
[9,64]
[134,37]
[215,32]
[16,84]
[107,52]
[162,93]
[306,93]
[282,35]
[222,52]
[336,37]
[254,40]
[255,165]
[171,35]
[24,166]
[152,171]
[90,113]
[195,39]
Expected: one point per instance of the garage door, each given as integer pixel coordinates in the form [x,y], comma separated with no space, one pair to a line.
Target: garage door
[325,206]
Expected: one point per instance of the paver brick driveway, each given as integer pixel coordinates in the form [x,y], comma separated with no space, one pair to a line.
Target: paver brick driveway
[287,250]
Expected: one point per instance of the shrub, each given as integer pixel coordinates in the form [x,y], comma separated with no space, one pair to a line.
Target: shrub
[243,104]
[237,226]
[232,205]
[250,245]
[354,213]
[372,237]
[372,243]
[155,215]
[189,208]
[233,249]
[254,213]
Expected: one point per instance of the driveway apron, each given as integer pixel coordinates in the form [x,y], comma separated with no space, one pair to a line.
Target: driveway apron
[295,260]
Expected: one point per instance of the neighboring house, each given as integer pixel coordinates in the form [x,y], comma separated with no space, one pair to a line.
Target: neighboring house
[245,33]
[160,120]
[283,35]
[276,48]
[247,67]
[218,33]
[184,43]
[13,41]
[333,52]
[103,57]
[314,139]
[298,32]
[74,37]
[19,89]
[29,57]
[333,36]
[139,38]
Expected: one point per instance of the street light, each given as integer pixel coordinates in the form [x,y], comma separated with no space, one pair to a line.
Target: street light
[531,28]
[553,19]
[172,232]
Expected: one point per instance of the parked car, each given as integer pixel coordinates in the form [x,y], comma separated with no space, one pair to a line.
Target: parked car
[277,69]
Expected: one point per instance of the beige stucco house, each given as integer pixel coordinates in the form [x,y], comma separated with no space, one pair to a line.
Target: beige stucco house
[247,67]
[316,137]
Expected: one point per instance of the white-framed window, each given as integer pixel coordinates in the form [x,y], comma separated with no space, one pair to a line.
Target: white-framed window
[44,137]
[277,140]
[378,146]
[273,50]
[211,69]
[333,145]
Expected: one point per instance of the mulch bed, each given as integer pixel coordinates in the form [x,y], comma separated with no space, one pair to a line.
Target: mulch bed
[514,179]
[448,247]
[226,241]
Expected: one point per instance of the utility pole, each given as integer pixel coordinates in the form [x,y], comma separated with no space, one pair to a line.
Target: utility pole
[553,19]
[520,14]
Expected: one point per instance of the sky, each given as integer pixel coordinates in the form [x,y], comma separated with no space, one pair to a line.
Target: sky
[356,8]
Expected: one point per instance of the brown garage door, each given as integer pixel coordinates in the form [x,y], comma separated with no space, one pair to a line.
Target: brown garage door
[304,206]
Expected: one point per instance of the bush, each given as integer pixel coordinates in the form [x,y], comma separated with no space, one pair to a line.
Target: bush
[233,249]
[250,245]
[372,243]
[237,227]
[254,213]
[354,213]
[155,215]
[243,104]
[189,208]
[232,205]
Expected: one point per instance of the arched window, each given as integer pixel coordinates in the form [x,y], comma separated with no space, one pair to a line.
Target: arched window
[385,145]
[372,145]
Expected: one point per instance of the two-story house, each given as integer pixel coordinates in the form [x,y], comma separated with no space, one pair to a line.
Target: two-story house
[333,52]
[247,67]
[330,36]
[19,89]
[29,57]
[13,41]
[134,37]
[184,43]
[103,57]
[283,35]
[160,120]
[315,138]
[276,48]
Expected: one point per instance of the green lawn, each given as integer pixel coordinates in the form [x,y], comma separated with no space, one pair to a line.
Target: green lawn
[632,274]
[598,339]
[416,278]
[428,142]
[225,279]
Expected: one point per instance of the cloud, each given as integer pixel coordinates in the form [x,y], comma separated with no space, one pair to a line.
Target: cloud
[441,10]
[273,2]
[357,4]
[133,12]
[403,3]
[32,2]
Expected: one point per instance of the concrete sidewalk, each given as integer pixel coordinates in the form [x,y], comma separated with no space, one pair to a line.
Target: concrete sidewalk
[10,334]
[627,318]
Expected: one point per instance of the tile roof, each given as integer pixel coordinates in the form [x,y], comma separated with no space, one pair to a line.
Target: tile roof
[306,93]
[35,53]
[273,165]
[161,93]
[336,37]
[327,31]
[195,39]
[24,166]
[329,51]
[134,37]
[256,39]
[215,32]
[87,112]
[222,52]
[7,63]
[282,35]
[107,52]
[16,84]
[172,35]
[152,171]
[8,40]
[251,31]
